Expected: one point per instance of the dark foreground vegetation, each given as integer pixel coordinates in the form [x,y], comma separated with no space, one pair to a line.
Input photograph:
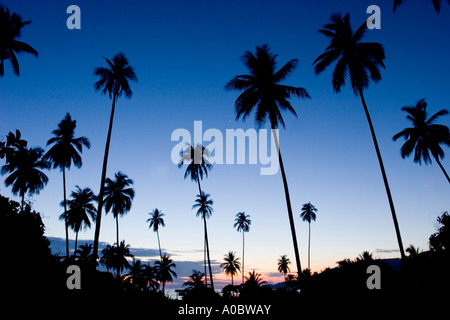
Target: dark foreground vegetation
[34,277]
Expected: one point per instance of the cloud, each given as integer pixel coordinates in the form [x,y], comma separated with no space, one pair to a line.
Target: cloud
[386,250]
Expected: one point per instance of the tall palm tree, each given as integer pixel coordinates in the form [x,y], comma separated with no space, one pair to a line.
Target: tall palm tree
[198,166]
[242,223]
[424,137]
[66,150]
[308,214]
[205,210]
[115,257]
[283,264]
[156,220]
[263,92]
[231,265]
[164,270]
[118,197]
[436,4]
[81,210]
[114,80]
[361,61]
[24,166]
[11,25]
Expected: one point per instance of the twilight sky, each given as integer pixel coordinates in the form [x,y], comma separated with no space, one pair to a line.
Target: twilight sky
[183,53]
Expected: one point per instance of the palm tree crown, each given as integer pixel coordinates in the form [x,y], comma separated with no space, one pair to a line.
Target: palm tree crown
[11,25]
[204,205]
[361,61]
[198,164]
[114,80]
[65,148]
[308,213]
[425,137]
[262,88]
[164,270]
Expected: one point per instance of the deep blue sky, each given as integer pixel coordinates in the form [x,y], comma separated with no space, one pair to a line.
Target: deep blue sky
[183,53]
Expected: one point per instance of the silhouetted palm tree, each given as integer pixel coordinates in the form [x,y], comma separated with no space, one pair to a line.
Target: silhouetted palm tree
[231,265]
[115,257]
[424,137]
[365,256]
[205,210]
[11,25]
[308,214]
[412,251]
[242,224]
[263,93]
[436,4]
[118,197]
[196,280]
[81,208]
[361,61]
[24,166]
[114,81]
[283,264]
[66,150]
[197,168]
[197,163]
[156,220]
[254,279]
[164,270]
[84,254]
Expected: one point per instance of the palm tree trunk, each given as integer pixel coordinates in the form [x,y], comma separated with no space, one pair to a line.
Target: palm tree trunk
[207,252]
[23,202]
[65,212]
[288,204]
[243,255]
[442,168]
[76,242]
[117,229]
[204,240]
[102,183]
[159,245]
[309,245]
[383,172]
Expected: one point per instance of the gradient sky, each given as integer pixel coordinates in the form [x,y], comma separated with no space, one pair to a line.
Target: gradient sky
[183,53]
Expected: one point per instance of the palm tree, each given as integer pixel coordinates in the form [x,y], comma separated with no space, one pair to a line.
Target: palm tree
[436,4]
[11,25]
[365,256]
[164,270]
[242,223]
[118,197]
[81,208]
[424,137]
[412,251]
[24,166]
[114,80]
[254,279]
[263,92]
[195,280]
[231,265]
[197,163]
[156,220]
[66,150]
[115,257]
[283,264]
[205,210]
[308,214]
[361,61]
